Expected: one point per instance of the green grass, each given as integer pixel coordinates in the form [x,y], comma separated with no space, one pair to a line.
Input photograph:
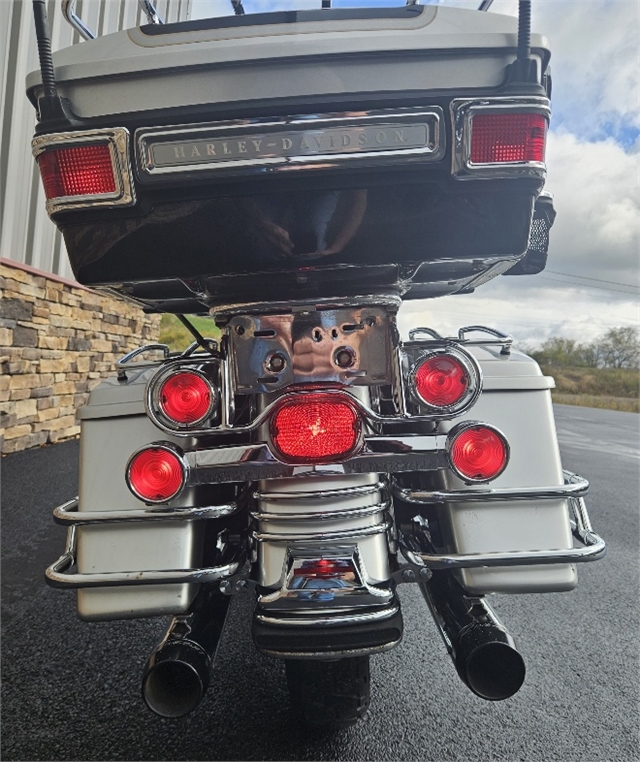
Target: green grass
[177,337]
[626,404]
[610,388]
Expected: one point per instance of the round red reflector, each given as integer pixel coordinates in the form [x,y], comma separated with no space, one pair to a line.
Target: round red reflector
[316,427]
[185,398]
[441,380]
[156,474]
[479,453]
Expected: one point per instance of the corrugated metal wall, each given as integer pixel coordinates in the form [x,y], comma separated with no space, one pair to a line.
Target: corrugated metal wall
[26,233]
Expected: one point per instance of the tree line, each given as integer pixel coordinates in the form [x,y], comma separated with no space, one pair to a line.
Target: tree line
[617,348]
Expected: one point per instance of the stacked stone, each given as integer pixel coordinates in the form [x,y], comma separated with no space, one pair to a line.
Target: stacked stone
[57,340]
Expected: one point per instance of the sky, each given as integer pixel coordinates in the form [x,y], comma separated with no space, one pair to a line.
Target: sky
[591,282]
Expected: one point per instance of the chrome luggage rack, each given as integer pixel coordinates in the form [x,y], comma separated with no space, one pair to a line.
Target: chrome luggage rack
[58,574]
[574,489]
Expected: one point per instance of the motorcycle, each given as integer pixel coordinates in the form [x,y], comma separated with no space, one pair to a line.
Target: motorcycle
[297,176]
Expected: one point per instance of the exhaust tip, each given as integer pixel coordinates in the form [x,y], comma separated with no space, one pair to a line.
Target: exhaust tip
[175,681]
[494,671]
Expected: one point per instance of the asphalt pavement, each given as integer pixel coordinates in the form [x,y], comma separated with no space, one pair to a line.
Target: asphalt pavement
[71,690]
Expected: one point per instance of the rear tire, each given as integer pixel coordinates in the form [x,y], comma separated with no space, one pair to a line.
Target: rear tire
[329,694]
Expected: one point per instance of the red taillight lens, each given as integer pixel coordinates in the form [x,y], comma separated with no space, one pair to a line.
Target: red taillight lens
[156,474]
[185,398]
[504,138]
[315,428]
[325,568]
[85,170]
[441,380]
[479,453]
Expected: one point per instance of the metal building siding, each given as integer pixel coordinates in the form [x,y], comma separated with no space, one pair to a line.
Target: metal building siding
[26,233]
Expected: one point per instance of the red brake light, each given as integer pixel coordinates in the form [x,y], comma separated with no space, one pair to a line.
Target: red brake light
[155,474]
[186,398]
[85,170]
[507,137]
[478,453]
[441,380]
[325,568]
[315,428]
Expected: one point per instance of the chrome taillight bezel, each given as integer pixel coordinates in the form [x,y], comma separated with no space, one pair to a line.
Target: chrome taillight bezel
[154,407]
[462,112]
[417,353]
[461,428]
[167,447]
[118,140]
[300,398]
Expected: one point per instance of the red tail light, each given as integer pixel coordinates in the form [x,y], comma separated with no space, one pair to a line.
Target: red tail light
[315,428]
[186,398]
[325,568]
[84,170]
[478,452]
[156,474]
[441,380]
[507,137]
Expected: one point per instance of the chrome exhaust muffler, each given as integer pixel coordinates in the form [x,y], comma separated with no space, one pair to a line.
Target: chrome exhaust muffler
[482,650]
[177,674]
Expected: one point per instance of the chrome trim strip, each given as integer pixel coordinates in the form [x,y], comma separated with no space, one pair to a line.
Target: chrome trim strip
[462,112]
[330,655]
[57,574]
[325,140]
[118,141]
[336,620]
[388,301]
[336,494]
[256,462]
[343,513]
[68,513]
[315,537]
[69,14]
[577,488]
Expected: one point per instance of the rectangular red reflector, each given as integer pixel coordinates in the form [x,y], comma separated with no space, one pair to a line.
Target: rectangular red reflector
[504,138]
[78,171]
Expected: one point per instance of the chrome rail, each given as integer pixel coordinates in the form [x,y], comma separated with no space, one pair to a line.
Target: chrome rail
[573,488]
[593,546]
[70,16]
[149,10]
[57,575]
[68,514]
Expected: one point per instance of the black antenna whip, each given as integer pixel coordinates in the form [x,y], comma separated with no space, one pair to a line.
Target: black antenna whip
[43,37]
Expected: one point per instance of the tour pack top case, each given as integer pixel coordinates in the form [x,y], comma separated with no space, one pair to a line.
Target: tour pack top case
[299,154]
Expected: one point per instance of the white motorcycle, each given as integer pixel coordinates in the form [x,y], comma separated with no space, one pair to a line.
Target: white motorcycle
[296,176]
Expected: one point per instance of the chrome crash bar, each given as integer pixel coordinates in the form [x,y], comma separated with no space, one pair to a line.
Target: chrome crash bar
[592,547]
[58,575]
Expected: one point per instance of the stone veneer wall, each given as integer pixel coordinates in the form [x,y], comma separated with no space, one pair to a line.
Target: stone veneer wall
[57,340]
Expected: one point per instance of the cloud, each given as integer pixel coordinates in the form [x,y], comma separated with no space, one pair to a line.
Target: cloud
[597,194]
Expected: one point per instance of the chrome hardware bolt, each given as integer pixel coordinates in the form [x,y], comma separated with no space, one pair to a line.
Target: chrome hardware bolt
[276,363]
[344,357]
[408,575]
